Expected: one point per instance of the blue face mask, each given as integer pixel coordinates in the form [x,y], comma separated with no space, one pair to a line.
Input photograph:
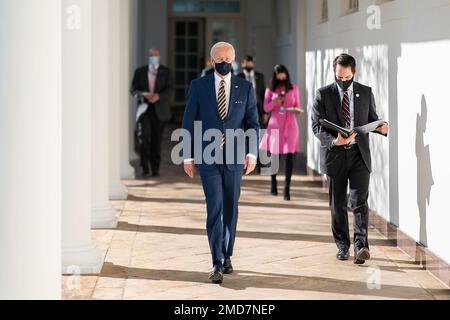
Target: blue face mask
[153,61]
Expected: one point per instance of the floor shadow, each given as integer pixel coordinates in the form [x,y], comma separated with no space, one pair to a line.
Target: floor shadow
[243,280]
[241,203]
[396,261]
[124,226]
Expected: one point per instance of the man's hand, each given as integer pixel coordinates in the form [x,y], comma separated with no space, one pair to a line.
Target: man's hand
[250,165]
[341,141]
[152,97]
[148,95]
[384,129]
[189,168]
[155,98]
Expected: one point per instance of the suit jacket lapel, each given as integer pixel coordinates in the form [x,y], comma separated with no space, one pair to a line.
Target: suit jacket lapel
[211,90]
[234,90]
[356,104]
[158,78]
[146,82]
[338,103]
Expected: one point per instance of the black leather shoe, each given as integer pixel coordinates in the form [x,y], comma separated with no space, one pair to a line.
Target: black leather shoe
[228,267]
[361,255]
[146,175]
[287,195]
[156,175]
[216,275]
[343,254]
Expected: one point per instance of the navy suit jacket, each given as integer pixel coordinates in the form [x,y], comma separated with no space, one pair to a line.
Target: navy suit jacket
[242,114]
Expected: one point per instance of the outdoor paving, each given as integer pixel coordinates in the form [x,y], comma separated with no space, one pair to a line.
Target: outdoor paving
[284,250]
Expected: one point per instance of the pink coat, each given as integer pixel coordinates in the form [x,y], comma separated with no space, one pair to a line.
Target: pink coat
[286,123]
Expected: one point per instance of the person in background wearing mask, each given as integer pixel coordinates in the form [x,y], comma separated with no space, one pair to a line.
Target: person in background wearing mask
[348,104]
[281,97]
[222,102]
[259,86]
[154,82]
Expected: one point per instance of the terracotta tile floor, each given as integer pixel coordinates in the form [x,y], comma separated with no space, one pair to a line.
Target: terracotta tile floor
[284,250]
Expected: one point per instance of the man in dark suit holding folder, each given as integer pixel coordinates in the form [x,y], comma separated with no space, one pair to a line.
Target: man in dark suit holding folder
[347,161]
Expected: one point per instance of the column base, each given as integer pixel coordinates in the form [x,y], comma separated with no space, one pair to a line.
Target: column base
[118,191]
[104,218]
[82,260]
[127,173]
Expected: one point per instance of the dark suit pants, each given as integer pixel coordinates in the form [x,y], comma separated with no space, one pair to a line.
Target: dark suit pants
[222,190]
[151,135]
[355,174]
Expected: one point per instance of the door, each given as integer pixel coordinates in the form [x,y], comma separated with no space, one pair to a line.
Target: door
[187,53]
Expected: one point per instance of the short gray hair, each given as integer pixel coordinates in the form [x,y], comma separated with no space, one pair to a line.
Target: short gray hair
[222,44]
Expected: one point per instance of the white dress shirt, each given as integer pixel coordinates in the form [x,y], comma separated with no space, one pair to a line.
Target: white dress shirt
[152,74]
[351,96]
[218,80]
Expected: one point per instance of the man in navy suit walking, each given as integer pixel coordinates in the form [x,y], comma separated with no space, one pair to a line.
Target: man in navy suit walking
[223,103]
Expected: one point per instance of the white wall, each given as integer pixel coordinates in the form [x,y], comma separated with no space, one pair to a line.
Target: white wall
[154,23]
[403,61]
[260,35]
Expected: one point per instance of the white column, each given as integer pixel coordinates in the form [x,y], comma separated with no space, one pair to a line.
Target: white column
[79,252]
[117,191]
[135,53]
[103,214]
[126,170]
[30,148]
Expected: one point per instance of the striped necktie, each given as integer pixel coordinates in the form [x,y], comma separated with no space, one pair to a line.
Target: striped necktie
[346,110]
[222,106]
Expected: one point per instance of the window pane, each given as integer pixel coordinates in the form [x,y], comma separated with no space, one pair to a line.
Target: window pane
[193,29]
[193,62]
[180,78]
[219,6]
[193,45]
[180,94]
[180,29]
[180,61]
[180,45]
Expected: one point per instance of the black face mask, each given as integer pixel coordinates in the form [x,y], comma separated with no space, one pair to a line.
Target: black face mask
[344,84]
[223,68]
[249,69]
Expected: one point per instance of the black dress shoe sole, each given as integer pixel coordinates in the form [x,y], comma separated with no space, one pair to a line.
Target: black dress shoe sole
[228,271]
[361,256]
[216,278]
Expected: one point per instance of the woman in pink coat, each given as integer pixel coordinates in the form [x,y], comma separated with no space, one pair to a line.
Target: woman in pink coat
[282,136]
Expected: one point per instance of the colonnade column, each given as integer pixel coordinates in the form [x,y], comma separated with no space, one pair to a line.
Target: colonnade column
[80,255]
[30,149]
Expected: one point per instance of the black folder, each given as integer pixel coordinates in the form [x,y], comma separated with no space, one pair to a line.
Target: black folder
[371,127]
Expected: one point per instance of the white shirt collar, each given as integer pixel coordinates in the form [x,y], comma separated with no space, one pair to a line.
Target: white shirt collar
[218,79]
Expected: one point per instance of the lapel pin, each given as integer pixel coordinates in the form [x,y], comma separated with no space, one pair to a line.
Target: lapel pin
[237,87]
[357,95]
